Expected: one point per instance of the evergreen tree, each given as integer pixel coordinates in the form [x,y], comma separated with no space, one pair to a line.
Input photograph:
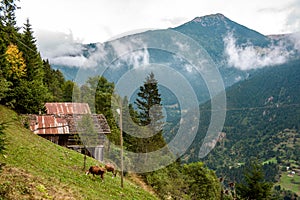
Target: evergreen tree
[3,46]
[71,92]
[53,80]
[4,87]
[7,10]
[30,97]
[8,20]
[254,185]
[150,116]
[149,104]
[32,57]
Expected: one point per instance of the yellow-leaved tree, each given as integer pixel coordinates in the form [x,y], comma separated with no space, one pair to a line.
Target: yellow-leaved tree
[16,64]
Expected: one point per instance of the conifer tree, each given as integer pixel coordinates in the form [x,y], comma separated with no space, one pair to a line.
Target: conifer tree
[7,10]
[254,185]
[8,20]
[8,29]
[71,91]
[149,104]
[32,57]
[54,81]
[3,46]
[150,115]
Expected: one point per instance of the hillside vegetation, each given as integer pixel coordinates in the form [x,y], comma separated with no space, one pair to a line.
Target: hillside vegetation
[38,169]
[262,122]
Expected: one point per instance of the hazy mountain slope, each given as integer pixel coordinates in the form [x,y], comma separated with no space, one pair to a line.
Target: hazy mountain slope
[259,109]
[209,31]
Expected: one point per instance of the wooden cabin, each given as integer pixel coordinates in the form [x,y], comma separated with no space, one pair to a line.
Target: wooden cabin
[62,124]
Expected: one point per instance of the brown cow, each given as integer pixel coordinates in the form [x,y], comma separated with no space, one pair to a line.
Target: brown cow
[111,168]
[96,170]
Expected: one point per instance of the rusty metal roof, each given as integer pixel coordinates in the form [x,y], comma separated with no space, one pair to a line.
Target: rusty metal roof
[67,108]
[61,118]
[49,124]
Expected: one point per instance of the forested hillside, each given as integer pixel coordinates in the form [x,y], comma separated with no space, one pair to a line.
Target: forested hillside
[262,122]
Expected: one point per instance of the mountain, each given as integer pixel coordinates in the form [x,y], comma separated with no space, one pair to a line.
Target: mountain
[211,30]
[211,33]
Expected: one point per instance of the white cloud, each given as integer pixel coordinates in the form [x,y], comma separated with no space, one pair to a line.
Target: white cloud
[62,49]
[53,44]
[293,17]
[247,56]
[133,52]
[76,61]
[296,40]
[97,21]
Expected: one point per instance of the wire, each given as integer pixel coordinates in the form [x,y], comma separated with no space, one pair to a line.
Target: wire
[254,108]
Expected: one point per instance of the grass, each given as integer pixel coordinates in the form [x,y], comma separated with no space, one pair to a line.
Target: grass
[290,183]
[271,160]
[38,169]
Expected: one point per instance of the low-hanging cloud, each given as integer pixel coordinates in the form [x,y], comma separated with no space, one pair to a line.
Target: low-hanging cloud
[62,49]
[53,44]
[292,21]
[248,56]
[295,39]
[130,52]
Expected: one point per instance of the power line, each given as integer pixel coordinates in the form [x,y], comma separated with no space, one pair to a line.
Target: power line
[254,108]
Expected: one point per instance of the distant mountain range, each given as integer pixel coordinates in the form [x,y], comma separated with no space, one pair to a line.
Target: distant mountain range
[231,47]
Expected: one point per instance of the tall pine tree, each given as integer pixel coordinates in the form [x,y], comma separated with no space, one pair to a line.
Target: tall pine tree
[8,29]
[254,185]
[32,57]
[8,20]
[150,116]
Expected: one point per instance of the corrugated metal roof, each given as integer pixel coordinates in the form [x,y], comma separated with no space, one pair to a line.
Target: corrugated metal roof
[48,124]
[68,108]
[61,118]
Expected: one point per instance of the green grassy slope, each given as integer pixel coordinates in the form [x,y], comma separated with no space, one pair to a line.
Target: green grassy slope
[291,183]
[38,169]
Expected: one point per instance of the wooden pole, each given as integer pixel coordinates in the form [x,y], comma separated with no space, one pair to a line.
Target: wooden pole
[121,144]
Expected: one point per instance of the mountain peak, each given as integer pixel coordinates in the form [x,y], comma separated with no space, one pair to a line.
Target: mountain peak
[210,19]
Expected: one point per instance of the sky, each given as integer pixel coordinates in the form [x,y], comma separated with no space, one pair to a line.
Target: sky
[61,25]
[89,21]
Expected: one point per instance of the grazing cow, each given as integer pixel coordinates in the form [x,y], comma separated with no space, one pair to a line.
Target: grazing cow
[231,184]
[96,170]
[111,168]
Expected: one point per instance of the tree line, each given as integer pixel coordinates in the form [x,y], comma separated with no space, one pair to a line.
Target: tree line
[26,80]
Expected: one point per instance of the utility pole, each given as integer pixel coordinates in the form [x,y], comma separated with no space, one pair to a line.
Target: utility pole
[119,110]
